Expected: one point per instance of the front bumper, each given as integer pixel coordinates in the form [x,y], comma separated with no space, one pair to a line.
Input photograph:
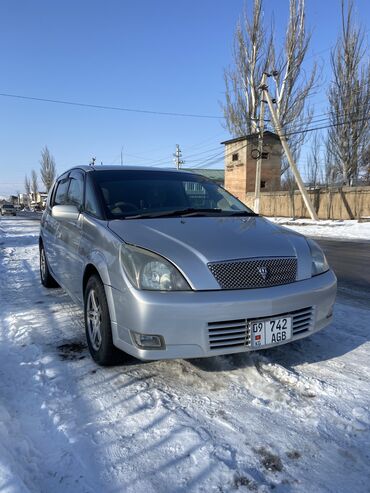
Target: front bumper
[183,319]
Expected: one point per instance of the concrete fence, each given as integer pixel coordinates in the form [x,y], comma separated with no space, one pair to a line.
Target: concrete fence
[330,203]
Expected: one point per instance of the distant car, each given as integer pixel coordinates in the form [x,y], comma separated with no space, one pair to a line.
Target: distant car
[8,210]
[167,264]
[37,208]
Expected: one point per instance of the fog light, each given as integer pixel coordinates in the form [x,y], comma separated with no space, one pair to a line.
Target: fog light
[148,341]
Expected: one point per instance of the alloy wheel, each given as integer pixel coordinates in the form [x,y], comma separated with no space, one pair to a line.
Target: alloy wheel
[94,320]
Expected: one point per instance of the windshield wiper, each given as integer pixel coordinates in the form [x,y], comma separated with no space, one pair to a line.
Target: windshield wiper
[189,212]
[242,213]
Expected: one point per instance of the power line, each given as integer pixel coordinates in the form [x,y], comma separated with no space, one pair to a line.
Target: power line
[114,108]
[216,158]
[104,107]
[329,126]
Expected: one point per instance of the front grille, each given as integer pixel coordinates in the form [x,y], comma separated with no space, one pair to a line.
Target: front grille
[229,334]
[302,320]
[254,273]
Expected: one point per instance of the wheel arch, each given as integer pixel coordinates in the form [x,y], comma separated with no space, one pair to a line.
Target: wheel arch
[99,268]
[90,270]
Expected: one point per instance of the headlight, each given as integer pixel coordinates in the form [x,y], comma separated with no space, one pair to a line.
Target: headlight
[147,270]
[319,262]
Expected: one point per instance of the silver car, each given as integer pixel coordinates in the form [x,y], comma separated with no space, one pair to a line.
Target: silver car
[8,210]
[167,264]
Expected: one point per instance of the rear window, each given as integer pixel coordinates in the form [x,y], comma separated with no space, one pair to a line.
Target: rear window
[8,206]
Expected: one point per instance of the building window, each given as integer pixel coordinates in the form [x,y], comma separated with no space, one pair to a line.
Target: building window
[263,184]
[235,157]
[265,155]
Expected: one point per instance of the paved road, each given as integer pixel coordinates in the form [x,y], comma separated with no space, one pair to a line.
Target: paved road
[350,261]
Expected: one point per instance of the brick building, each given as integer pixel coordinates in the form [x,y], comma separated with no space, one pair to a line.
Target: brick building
[240,164]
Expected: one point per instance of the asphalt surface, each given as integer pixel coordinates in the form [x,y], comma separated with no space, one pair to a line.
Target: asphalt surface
[350,261]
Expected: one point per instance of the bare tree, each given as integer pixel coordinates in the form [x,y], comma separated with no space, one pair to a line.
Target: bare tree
[34,184]
[47,168]
[314,171]
[255,53]
[330,169]
[366,165]
[349,100]
[27,185]
[27,188]
[251,58]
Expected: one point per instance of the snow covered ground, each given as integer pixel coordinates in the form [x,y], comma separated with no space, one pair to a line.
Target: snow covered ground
[294,419]
[346,230]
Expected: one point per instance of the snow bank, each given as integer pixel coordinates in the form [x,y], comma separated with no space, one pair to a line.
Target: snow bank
[350,230]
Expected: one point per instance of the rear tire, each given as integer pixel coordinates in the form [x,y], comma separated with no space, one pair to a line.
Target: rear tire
[98,326]
[47,279]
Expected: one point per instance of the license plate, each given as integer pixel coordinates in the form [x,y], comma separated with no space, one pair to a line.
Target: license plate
[273,331]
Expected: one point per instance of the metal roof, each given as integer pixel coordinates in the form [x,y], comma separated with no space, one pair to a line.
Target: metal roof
[212,174]
[266,133]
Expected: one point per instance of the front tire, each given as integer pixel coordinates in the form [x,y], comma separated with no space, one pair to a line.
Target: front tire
[97,324]
[47,279]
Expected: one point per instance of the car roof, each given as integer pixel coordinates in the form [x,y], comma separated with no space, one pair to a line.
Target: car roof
[115,167]
[102,168]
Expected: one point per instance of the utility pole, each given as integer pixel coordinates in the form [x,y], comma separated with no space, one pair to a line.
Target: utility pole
[257,189]
[178,161]
[284,143]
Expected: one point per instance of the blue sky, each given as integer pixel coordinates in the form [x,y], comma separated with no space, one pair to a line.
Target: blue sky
[155,55]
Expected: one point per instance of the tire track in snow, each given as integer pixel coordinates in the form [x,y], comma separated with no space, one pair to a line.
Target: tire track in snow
[26,326]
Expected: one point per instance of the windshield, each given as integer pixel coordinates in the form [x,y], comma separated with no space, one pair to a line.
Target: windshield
[148,194]
[8,206]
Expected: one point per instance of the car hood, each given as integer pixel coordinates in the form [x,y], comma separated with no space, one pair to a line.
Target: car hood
[190,243]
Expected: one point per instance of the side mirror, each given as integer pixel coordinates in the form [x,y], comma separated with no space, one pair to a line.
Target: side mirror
[65,212]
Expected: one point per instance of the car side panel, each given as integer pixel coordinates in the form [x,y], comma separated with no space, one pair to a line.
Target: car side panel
[100,248]
[70,259]
[50,234]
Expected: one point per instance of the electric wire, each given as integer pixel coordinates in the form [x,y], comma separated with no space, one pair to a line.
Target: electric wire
[114,108]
